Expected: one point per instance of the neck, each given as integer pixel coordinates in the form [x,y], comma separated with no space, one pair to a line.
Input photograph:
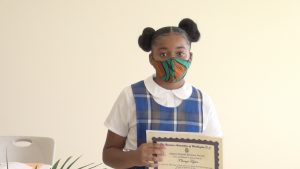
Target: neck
[169,86]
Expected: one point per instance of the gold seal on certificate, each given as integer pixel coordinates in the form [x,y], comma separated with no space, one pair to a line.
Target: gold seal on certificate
[186,150]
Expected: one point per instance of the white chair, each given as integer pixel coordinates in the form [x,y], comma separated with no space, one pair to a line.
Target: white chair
[26,149]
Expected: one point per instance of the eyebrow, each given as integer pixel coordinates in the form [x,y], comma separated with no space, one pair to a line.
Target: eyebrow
[179,47]
[163,48]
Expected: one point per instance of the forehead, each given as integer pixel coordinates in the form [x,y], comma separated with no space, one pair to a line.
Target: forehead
[170,40]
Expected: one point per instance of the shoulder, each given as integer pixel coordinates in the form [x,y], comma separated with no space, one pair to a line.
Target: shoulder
[211,124]
[128,93]
[205,97]
[208,106]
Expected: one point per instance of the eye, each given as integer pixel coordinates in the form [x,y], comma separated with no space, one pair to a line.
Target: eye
[163,54]
[180,54]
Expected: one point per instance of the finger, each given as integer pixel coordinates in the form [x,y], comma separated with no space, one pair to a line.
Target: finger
[149,157]
[158,159]
[153,152]
[159,149]
[154,158]
[156,146]
[151,164]
[158,152]
[159,145]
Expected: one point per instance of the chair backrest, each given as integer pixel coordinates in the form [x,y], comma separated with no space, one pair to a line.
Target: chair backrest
[26,149]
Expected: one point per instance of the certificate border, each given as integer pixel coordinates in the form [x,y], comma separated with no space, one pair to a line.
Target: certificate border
[199,141]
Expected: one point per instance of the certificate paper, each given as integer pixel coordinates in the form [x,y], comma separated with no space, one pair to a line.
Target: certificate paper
[188,150]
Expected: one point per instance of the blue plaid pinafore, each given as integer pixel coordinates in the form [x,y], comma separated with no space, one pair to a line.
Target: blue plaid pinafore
[187,117]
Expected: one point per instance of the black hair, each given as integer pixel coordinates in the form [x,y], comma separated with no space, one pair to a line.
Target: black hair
[187,27]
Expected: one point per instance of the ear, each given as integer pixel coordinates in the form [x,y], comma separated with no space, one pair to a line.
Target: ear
[191,57]
[151,58]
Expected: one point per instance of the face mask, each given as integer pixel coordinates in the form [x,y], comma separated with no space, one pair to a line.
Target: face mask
[171,70]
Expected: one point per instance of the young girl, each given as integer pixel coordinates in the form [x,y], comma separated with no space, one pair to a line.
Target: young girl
[163,101]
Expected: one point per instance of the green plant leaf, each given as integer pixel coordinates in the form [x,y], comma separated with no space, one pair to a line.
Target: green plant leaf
[85,166]
[90,165]
[55,164]
[95,166]
[65,162]
[73,162]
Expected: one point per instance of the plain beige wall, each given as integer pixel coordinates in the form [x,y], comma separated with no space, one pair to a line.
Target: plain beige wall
[63,63]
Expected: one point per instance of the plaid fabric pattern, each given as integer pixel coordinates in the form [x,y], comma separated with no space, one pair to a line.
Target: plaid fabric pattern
[187,117]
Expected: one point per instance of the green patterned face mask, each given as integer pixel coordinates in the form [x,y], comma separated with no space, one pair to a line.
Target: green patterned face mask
[172,70]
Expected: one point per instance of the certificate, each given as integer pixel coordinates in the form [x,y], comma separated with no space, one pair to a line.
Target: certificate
[188,150]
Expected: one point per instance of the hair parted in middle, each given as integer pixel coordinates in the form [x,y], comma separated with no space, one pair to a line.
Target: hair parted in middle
[186,27]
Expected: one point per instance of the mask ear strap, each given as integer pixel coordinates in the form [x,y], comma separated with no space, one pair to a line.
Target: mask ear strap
[191,57]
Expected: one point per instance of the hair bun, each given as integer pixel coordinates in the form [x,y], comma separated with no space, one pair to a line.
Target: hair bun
[146,38]
[190,28]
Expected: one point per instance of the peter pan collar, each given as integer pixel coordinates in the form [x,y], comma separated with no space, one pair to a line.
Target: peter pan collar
[157,91]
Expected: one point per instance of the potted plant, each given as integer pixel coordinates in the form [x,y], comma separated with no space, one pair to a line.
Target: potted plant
[69,165]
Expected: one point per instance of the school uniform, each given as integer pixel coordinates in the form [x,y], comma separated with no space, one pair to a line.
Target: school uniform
[146,105]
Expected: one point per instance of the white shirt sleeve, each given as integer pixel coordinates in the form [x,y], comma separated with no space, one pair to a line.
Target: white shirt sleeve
[211,124]
[120,114]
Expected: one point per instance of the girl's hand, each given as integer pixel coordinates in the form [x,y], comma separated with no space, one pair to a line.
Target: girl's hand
[149,154]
